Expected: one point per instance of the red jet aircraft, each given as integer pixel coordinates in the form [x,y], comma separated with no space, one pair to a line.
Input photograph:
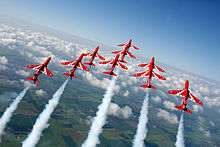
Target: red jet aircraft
[150,73]
[93,54]
[40,68]
[114,63]
[75,64]
[185,93]
[126,51]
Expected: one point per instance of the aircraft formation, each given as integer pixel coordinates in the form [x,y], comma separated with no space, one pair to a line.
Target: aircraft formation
[149,73]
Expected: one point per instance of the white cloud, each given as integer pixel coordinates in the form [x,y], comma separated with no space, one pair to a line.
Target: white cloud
[22,73]
[115,110]
[170,117]
[201,119]
[205,132]
[135,89]
[117,89]
[3,60]
[126,93]
[12,82]
[95,81]
[40,92]
[31,42]
[169,105]
[204,89]
[216,91]
[163,94]
[132,81]
[210,102]
[123,84]
[197,108]
[212,123]
[156,99]
[27,83]
[88,121]
[3,67]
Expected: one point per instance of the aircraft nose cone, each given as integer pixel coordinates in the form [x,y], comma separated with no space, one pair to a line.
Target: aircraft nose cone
[153,59]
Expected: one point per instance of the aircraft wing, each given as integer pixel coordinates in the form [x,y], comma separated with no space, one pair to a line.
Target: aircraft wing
[122,45]
[116,52]
[158,76]
[143,65]
[132,56]
[47,72]
[122,66]
[34,67]
[194,99]
[158,68]
[83,66]
[134,47]
[178,92]
[104,62]
[87,54]
[112,62]
[100,57]
[146,73]
[71,63]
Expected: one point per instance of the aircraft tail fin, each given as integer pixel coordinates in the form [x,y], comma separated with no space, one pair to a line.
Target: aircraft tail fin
[147,86]
[66,74]
[88,63]
[108,72]
[181,108]
[32,79]
[187,110]
[152,87]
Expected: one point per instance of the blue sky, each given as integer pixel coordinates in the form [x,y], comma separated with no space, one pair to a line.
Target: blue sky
[182,33]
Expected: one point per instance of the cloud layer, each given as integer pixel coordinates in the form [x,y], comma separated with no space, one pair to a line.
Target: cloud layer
[170,117]
[115,110]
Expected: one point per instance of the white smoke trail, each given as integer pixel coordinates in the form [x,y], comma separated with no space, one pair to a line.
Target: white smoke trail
[142,125]
[42,120]
[180,142]
[100,119]
[9,111]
